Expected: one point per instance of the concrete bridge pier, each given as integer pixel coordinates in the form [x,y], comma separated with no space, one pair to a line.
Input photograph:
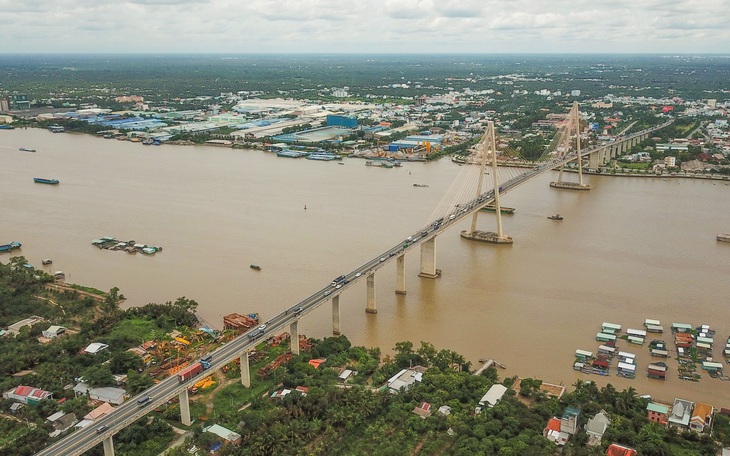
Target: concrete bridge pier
[245,370]
[336,315]
[294,337]
[108,446]
[371,307]
[400,273]
[595,160]
[184,408]
[428,260]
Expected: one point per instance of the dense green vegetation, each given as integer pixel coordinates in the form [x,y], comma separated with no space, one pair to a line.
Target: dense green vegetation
[53,366]
[357,418]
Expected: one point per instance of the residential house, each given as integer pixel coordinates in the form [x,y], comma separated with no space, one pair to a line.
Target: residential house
[95,348]
[94,415]
[569,420]
[346,374]
[316,363]
[115,396]
[493,396]
[596,427]
[54,331]
[405,378]
[681,414]
[61,421]
[27,395]
[423,410]
[657,413]
[303,390]
[14,329]
[279,394]
[444,410]
[619,450]
[701,417]
[224,433]
[553,433]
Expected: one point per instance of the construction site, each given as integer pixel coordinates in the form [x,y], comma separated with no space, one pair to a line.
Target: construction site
[178,351]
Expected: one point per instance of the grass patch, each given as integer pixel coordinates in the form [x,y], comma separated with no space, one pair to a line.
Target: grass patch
[87,289]
[135,329]
[634,165]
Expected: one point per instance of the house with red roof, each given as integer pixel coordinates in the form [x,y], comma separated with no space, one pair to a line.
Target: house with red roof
[619,450]
[27,395]
[553,433]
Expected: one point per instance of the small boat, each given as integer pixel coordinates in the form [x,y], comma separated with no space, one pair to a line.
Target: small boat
[25,149]
[723,237]
[47,261]
[10,246]
[420,185]
[256,267]
[40,180]
[340,163]
[555,217]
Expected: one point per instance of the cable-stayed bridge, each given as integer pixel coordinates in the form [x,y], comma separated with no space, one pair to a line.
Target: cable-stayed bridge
[471,191]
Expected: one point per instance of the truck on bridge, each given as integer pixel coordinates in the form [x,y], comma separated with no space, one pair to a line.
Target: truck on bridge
[194,369]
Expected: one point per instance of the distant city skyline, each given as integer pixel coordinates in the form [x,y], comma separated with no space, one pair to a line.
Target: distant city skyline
[348,26]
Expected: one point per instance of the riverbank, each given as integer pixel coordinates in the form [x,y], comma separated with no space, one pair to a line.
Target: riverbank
[650,175]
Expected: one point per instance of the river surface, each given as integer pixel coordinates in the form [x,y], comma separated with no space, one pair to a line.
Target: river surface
[628,249]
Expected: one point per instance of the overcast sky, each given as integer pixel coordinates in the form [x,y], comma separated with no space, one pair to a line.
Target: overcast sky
[365,26]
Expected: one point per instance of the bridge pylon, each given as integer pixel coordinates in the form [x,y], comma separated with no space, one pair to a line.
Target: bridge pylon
[488,144]
[572,128]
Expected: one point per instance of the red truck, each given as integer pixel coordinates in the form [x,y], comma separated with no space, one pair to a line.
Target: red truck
[189,372]
[194,369]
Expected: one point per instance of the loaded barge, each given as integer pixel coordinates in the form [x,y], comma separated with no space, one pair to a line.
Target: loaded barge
[110,243]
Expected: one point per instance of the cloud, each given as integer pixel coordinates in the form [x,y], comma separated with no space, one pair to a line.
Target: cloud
[364,26]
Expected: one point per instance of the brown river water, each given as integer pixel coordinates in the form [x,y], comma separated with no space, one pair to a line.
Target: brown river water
[628,249]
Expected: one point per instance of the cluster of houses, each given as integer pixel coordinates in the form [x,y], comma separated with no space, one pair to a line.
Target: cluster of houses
[683,415]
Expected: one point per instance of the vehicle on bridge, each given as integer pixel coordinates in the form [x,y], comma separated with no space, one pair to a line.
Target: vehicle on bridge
[143,401]
[338,280]
[194,369]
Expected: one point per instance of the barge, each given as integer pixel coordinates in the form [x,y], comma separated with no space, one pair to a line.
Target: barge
[41,180]
[502,209]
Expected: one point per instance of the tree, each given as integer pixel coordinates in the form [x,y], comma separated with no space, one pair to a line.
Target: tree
[136,382]
[98,375]
[124,361]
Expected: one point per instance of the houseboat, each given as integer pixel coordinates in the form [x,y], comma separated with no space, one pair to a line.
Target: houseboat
[657,370]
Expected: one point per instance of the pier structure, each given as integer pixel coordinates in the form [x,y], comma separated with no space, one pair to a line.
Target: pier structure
[572,129]
[488,147]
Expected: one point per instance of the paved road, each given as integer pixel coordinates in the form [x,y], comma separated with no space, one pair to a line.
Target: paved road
[85,439]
